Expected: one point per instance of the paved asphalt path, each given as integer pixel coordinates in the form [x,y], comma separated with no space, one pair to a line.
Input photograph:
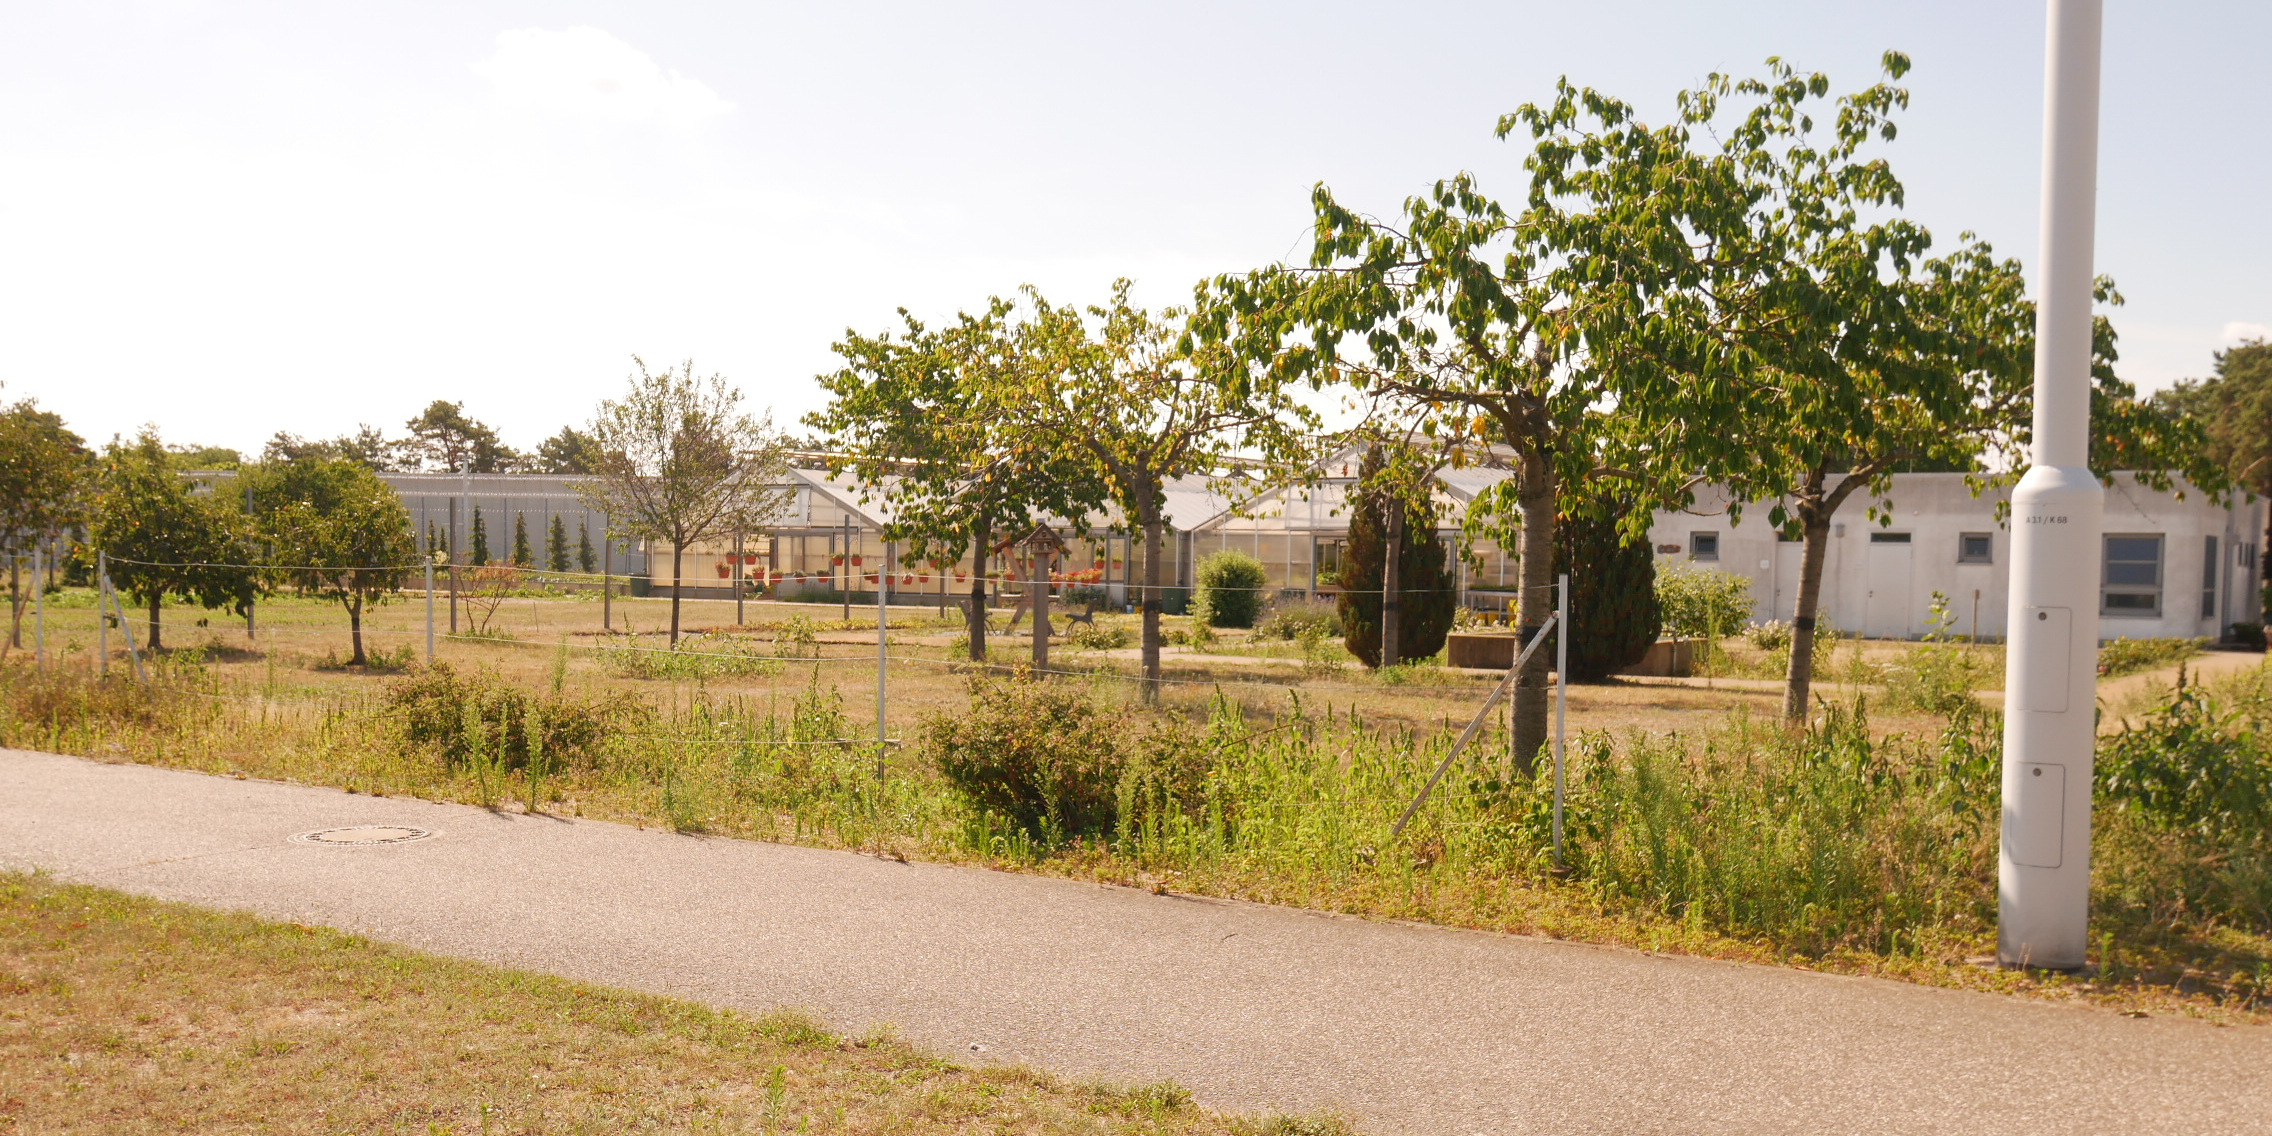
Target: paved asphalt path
[1411,1029]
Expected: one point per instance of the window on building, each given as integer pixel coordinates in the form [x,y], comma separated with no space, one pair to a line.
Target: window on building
[1975,548]
[2209,577]
[2131,581]
[1703,546]
[1328,561]
[1889,538]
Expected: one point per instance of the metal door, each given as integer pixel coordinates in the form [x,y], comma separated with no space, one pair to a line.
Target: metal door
[1886,611]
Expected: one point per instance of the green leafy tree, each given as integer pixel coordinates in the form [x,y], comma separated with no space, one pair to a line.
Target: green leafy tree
[1227,589]
[44,469]
[1141,399]
[1842,353]
[678,460]
[522,558]
[1533,336]
[569,451]
[163,539]
[338,531]
[2233,411]
[925,415]
[187,458]
[586,562]
[556,545]
[1392,507]
[366,447]
[478,539]
[443,437]
[1614,616]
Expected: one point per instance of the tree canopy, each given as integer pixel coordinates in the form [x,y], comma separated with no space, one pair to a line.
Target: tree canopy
[337,531]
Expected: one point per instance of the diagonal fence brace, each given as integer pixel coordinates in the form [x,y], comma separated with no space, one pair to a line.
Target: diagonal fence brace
[1476,726]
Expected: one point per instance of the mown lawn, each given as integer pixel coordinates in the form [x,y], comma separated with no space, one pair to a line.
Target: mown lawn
[122,1015]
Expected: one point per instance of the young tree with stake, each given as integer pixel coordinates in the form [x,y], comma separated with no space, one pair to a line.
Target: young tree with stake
[676,459]
[1140,399]
[163,539]
[43,470]
[921,414]
[338,531]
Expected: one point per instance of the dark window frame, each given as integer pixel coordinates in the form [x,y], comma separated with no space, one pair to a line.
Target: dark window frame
[1964,543]
[2131,599]
[1698,542]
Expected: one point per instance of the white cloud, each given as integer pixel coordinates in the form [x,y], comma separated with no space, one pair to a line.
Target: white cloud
[586,71]
[2239,330]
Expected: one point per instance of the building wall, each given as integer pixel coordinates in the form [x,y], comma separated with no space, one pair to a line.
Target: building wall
[1879,580]
[536,498]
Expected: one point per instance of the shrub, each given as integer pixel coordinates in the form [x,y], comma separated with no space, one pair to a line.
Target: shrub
[441,706]
[692,657]
[1297,618]
[1092,637]
[1703,603]
[1230,589]
[1043,756]
[2129,656]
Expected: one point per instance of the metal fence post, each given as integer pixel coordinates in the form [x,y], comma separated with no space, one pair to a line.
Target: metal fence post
[734,577]
[1561,697]
[883,655]
[39,605]
[607,579]
[429,608]
[102,614]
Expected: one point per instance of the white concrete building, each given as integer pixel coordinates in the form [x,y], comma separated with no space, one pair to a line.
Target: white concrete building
[2167,567]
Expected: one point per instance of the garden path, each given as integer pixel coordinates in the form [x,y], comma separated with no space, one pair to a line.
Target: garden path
[1410,1029]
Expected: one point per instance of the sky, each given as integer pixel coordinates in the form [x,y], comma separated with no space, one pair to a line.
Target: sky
[234,219]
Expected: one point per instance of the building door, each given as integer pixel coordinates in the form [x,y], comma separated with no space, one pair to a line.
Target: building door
[1886,610]
[1789,556]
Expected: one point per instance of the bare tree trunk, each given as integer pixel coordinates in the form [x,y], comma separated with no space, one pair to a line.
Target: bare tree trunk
[1155,551]
[1799,680]
[1040,609]
[355,629]
[1537,500]
[678,551]
[982,541]
[1392,585]
[156,597]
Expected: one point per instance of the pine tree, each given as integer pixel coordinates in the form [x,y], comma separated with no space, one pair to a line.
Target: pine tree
[556,545]
[479,540]
[1613,591]
[585,561]
[433,538]
[1426,591]
[521,556]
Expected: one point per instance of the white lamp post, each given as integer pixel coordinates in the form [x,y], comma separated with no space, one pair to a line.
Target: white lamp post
[2052,674]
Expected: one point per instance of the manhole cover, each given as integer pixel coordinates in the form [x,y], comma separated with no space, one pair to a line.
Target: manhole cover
[364,835]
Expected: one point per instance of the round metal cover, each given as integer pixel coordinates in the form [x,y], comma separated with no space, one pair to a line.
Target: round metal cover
[364,835]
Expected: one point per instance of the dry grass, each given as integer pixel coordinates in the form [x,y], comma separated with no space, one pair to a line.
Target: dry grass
[271,712]
[121,1015]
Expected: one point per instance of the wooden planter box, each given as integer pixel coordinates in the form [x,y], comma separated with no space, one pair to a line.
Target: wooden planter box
[1667,658]
[1490,650]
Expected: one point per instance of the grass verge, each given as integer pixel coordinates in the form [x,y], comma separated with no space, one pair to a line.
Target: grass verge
[125,1015]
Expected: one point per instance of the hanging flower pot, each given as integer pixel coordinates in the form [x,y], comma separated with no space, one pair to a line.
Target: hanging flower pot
[857,561]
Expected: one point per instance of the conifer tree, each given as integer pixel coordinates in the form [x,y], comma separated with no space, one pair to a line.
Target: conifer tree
[586,562]
[556,545]
[1613,590]
[521,556]
[1426,591]
[479,540]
